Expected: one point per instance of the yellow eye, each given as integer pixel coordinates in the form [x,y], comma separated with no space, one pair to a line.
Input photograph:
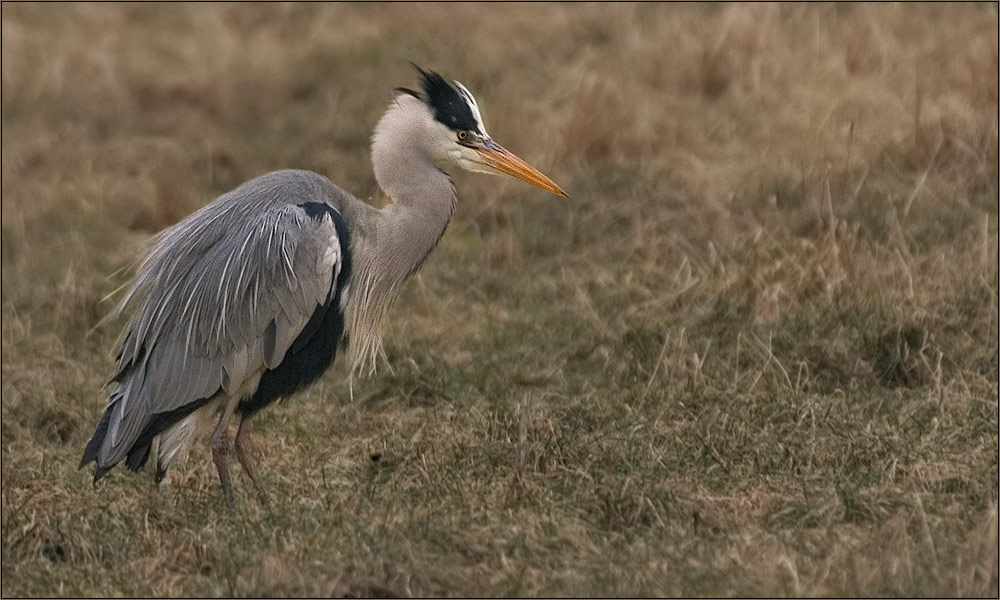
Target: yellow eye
[462,135]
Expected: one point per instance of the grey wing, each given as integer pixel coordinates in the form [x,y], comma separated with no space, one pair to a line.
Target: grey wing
[237,309]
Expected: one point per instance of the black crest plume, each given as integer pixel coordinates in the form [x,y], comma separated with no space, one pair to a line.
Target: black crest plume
[448,105]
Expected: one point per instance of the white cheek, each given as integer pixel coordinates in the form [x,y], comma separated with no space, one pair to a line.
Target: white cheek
[467,164]
[447,153]
[442,145]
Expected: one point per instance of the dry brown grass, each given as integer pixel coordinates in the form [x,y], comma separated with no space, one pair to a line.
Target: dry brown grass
[755,354]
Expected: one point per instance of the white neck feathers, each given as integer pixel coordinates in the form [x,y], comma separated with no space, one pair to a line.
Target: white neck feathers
[402,234]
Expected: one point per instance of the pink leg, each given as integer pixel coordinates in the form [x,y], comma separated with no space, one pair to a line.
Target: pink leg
[243,450]
[220,448]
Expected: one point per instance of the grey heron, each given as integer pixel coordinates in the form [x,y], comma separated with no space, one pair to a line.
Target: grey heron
[249,299]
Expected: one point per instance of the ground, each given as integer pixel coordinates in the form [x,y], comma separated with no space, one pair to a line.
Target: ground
[755,353]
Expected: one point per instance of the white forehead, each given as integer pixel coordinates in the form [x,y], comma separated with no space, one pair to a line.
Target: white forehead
[473,105]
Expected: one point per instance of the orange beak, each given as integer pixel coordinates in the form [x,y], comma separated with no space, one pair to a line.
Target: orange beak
[496,156]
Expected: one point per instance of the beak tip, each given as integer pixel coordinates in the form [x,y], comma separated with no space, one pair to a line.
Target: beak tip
[558,191]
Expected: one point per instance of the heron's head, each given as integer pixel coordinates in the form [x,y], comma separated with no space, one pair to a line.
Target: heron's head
[449,127]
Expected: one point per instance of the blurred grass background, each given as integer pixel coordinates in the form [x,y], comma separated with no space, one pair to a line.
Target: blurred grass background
[754,354]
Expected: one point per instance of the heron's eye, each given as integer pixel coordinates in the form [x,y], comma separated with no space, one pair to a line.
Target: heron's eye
[463,135]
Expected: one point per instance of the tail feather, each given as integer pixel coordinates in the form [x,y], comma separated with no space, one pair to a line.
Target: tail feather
[90,453]
[138,456]
[138,453]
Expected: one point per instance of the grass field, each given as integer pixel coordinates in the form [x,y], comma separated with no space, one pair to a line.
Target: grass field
[754,354]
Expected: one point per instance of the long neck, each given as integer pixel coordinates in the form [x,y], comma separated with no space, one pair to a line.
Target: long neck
[422,197]
[401,235]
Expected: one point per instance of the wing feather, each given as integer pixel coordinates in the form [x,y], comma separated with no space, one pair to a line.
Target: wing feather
[217,301]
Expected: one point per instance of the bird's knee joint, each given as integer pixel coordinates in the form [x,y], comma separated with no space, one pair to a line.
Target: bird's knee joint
[220,445]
